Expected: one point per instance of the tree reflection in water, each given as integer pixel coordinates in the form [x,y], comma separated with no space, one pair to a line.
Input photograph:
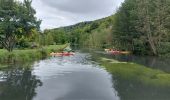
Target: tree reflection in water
[129,89]
[18,84]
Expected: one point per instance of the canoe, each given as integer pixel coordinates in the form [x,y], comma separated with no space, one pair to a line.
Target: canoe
[62,54]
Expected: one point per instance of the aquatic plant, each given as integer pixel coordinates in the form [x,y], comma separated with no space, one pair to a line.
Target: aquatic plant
[136,72]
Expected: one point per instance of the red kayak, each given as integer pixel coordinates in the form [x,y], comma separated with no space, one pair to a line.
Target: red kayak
[115,52]
[62,54]
[66,54]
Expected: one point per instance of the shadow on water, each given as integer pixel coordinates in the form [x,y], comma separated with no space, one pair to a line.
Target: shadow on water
[18,84]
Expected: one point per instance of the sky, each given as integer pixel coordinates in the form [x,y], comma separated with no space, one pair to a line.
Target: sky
[58,13]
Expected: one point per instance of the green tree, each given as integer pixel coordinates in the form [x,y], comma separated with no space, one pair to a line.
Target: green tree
[153,18]
[16,19]
[143,25]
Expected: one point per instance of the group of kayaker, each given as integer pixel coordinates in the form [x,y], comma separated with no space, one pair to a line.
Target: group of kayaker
[66,52]
[62,54]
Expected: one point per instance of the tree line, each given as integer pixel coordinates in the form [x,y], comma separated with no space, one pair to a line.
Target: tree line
[140,26]
[93,34]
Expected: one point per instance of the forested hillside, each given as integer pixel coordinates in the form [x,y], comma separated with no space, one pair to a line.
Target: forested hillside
[94,34]
[140,26]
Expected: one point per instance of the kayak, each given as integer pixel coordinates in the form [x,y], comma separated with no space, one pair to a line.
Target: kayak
[116,51]
[62,54]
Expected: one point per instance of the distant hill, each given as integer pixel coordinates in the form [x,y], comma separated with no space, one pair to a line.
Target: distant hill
[72,27]
[100,23]
[85,33]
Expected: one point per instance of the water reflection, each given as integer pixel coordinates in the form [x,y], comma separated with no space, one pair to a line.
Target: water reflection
[133,90]
[18,84]
[130,89]
[148,61]
[73,78]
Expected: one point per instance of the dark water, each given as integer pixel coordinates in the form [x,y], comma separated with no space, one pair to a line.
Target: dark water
[73,78]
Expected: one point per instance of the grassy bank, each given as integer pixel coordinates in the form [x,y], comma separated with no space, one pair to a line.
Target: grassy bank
[135,72]
[28,55]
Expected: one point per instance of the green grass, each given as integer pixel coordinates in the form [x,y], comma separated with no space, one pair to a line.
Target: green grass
[54,48]
[28,55]
[136,72]
[3,67]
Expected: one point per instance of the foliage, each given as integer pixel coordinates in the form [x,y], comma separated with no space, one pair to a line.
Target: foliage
[143,25]
[96,34]
[16,20]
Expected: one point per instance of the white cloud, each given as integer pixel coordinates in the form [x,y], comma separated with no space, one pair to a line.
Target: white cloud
[57,13]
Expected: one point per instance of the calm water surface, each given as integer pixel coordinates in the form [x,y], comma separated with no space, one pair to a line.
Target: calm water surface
[74,78]
[61,78]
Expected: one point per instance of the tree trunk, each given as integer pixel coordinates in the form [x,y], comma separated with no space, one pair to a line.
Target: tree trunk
[146,23]
[8,43]
[152,46]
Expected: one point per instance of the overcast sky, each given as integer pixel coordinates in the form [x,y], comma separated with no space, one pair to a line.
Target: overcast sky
[57,13]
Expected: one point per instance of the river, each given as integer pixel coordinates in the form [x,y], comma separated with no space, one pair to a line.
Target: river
[76,77]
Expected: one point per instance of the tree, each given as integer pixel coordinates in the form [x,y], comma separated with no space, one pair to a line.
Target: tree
[16,19]
[153,18]
[124,26]
[143,25]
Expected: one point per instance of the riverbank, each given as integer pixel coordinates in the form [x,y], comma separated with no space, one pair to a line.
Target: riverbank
[135,72]
[27,55]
